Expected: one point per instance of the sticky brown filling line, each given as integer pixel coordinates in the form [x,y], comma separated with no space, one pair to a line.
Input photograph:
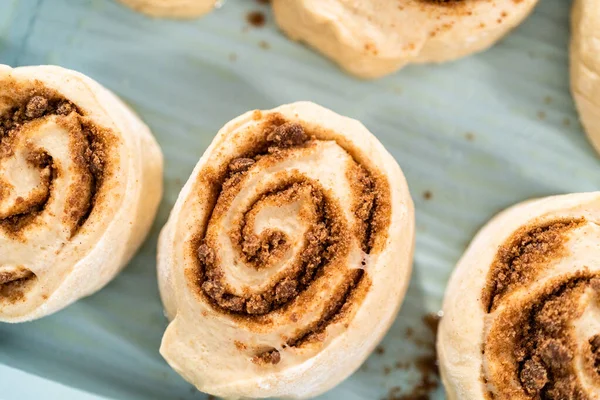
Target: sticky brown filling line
[39,105]
[518,260]
[542,352]
[284,135]
[543,349]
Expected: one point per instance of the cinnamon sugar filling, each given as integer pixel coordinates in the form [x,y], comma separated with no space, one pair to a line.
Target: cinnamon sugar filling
[13,284]
[524,257]
[327,237]
[535,341]
[88,156]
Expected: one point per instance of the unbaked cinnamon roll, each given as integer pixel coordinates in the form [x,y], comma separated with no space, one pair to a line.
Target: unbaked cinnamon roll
[522,310]
[80,181]
[172,8]
[373,38]
[585,65]
[286,256]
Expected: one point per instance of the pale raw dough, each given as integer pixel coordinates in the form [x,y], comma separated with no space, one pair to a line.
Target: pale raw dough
[213,350]
[172,8]
[465,324]
[70,263]
[373,38]
[585,65]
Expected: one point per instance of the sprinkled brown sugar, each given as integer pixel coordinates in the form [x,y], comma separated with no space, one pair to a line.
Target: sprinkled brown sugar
[326,239]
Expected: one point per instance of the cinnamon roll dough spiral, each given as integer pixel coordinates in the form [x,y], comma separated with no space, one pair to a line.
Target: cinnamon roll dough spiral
[373,38]
[80,182]
[286,256]
[522,310]
[172,8]
[585,65]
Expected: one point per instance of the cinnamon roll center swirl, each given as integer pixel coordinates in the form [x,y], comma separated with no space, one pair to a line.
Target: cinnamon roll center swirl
[33,130]
[285,225]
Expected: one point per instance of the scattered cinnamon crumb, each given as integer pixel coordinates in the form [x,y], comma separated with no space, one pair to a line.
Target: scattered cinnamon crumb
[287,135]
[240,164]
[470,136]
[268,357]
[379,350]
[427,195]
[239,345]
[36,107]
[264,45]
[256,19]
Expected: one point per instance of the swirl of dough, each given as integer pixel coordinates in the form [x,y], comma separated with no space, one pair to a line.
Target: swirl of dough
[373,38]
[585,65]
[522,310]
[171,8]
[79,186]
[286,256]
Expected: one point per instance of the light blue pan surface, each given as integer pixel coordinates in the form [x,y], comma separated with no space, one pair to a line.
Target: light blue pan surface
[478,135]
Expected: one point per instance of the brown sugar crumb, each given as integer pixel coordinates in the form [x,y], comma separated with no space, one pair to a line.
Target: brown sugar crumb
[258,305]
[286,290]
[524,256]
[432,321]
[287,135]
[595,350]
[533,377]
[240,164]
[256,19]
[239,345]
[36,107]
[206,254]
[268,357]
[429,381]
[65,108]
[259,251]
